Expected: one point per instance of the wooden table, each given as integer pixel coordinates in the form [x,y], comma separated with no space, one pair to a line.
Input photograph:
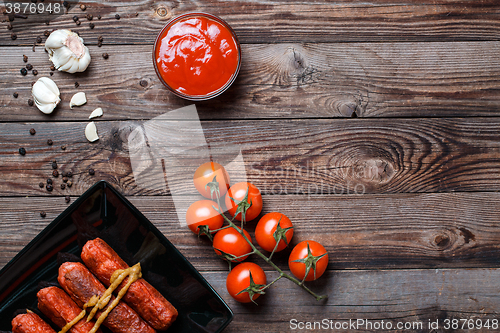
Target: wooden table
[388,109]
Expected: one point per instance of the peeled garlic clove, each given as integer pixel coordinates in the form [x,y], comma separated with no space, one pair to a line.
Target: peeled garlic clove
[78,99]
[91,132]
[45,94]
[67,51]
[96,113]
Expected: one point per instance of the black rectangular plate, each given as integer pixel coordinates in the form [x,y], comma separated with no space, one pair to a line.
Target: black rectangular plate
[105,213]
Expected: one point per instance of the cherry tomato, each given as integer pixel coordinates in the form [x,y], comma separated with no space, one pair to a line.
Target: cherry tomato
[239,279]
[266,229]
[300,252]
[238,192]
[205,174]
[231,242]
[202,212]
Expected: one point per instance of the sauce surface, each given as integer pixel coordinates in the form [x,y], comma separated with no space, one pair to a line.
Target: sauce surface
[196,56]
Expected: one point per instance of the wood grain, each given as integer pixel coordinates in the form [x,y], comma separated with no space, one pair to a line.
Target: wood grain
[428,230]
[280,21]
[279,80]
[281,157]
[414,296]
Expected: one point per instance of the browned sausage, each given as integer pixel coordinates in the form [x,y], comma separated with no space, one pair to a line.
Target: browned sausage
[102,260]
[61,309]
[81,285]
[30,323]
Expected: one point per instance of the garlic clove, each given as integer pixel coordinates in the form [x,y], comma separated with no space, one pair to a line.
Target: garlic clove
[96,113]
[60,57]
[56,39]
[45,94]
[78,99]
[67,51]
[91,132]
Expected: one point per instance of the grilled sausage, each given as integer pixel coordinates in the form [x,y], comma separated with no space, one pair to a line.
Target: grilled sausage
[61,309]
[81,285]
[102,260]
[30,323]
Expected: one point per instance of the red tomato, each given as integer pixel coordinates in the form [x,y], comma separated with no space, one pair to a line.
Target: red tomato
[300,252]
[266,229]
[205,174]
[232,242]
[238,192]
[239,279]
[202,212]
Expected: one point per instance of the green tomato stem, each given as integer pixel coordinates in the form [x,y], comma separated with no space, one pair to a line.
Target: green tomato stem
[272,264]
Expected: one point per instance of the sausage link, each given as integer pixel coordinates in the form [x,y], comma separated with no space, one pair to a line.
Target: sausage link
[61,309]
[30,323]
[81,285]
[102,260]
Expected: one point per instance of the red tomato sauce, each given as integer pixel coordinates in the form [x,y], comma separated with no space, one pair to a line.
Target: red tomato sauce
[197,56]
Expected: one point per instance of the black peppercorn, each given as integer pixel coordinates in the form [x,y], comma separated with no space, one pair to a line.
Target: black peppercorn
[13,36]
[105,55]
[78,23]
[51,73]
[91,172]
[83,7]
[77,84]
[46,33]
[24,71]
[65,179]
[49,181]
[63,147]
[52,68]
[55,173]
[100,39]
[69,183]
[25,58]
[67,199]
[98,17]
[63,186]
[99,43]
[69,174]
[117,16]
[143,83]
[29,67]
[75,18]
[91,25]
[50,142]
[15,94]
[22,151]
[9,26]
[30,102]
[35,72]
[43,214]
[54,165]
[41,185]
[49,187]
[89,17]
[32,131]
[38,39]
[65,4]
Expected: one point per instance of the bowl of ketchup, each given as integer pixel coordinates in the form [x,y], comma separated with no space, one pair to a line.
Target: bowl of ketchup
[197,56]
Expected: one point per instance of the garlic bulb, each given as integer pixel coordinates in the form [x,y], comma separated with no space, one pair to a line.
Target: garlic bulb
[46,94]
[78,99]
[67,51]
[91,132]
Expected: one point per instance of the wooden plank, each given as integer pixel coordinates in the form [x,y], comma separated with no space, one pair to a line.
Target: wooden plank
[336,156]
[430,230]
[285,21]
[414,298]
[279,80]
